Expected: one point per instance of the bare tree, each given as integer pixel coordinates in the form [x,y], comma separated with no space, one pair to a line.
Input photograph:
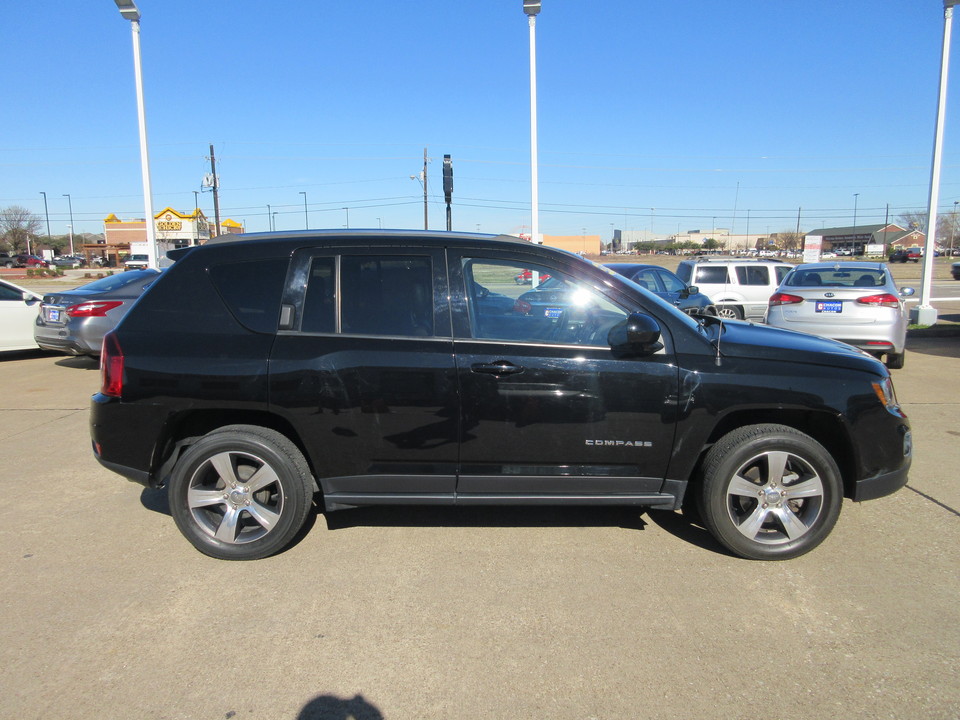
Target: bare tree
[17,226]
[788,239]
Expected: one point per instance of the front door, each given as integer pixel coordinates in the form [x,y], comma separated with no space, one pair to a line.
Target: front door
[546,407]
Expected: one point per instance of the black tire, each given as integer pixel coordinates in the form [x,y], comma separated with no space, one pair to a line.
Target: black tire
[895,361]
[748,497]
[729,312]
[241,493]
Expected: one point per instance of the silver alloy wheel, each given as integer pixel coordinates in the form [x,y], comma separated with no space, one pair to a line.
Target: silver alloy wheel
[728,312]
[775,498]
[235,497]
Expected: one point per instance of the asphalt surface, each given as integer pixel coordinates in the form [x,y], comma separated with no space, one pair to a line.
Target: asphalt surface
[107,612]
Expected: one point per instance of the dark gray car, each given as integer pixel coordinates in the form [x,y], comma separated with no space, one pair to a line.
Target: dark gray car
[667,285]
[75,321]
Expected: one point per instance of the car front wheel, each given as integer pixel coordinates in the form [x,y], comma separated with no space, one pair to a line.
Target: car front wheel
[769,492]
[241,493]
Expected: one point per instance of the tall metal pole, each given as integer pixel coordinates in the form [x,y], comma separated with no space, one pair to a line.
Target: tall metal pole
[45,212]
[348,217]
[426,220]
[532,8]
[144,154]
[926,314]
[306,217]
[196,217]
[70,205]
[269,219]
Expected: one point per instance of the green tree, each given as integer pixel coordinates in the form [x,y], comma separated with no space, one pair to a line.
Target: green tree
[18,226]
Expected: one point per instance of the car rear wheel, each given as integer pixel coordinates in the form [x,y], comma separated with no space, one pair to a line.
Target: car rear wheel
[241,493]
[769,492]
[730,312]
[895,360]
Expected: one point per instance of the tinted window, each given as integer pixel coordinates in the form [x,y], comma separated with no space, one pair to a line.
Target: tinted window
[319,308]
[647,279]
[712,275]
[9,293]
[386,295]
[671,281]
[753,274]
[252,291]
[560,309]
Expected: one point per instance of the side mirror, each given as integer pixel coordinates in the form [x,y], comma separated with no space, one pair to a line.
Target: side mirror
[907,291]
[639,334]
[692,290]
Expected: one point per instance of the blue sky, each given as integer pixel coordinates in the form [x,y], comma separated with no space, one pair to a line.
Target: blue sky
[652,115]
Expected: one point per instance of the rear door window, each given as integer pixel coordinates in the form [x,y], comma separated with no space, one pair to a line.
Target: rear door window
[753,274]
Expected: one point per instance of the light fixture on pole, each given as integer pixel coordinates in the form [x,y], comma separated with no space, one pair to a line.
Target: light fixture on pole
[70,205]
[306,217]
[925,313]
[532,8]
[128,10]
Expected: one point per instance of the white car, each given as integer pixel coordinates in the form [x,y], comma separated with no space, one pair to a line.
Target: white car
[18,316]
[739,287]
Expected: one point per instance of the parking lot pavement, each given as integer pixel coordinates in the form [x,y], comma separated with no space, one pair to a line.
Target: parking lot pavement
[485,613]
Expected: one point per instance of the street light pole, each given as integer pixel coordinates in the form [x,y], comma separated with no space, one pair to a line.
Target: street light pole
[532,8]
[348,217]
[269,219]
[47,213]
[306,217]
[70,205]
[925,313]
[128,9]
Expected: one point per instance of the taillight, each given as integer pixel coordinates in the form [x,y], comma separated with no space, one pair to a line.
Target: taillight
[96,308]
[881,300]
[784,299]
[111,366]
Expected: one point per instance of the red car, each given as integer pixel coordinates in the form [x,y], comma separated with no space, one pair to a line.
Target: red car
[31,261]
[526,277]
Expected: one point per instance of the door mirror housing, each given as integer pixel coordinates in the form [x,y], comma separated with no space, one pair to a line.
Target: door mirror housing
[638,334]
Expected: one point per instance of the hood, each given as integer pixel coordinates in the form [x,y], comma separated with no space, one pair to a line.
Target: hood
[750,340]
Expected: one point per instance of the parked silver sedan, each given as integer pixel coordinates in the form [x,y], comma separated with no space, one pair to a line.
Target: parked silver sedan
[75,321]
[854,302]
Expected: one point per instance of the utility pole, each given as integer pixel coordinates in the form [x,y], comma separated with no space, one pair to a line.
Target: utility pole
[426,222]
[215,184]
[448,188]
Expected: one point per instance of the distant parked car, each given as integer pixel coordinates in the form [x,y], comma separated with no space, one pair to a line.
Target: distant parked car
[854,302]
[22,260]
[69,261]
[526,278]
[18,315]
[739,287]
[75,321]
[664,283]
[136,262]
[955,270]
[902,255]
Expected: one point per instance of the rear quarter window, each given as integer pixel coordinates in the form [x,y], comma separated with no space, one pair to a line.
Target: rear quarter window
[252,291]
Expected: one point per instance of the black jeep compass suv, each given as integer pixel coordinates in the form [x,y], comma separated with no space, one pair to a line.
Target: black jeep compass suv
[373,367]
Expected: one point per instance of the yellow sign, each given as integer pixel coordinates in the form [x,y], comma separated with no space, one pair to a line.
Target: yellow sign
[168,225]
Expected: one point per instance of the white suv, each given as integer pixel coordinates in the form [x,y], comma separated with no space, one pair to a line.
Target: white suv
[740,288]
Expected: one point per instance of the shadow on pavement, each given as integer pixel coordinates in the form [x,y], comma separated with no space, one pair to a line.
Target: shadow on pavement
[330,707]
[79,362]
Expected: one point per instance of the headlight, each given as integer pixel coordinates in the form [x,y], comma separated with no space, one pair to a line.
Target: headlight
[886,394]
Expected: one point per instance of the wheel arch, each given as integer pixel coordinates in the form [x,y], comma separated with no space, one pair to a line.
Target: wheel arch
[185,428]
[826,428]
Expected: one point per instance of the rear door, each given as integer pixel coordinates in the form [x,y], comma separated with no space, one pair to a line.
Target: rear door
[364,369]
[547,409]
